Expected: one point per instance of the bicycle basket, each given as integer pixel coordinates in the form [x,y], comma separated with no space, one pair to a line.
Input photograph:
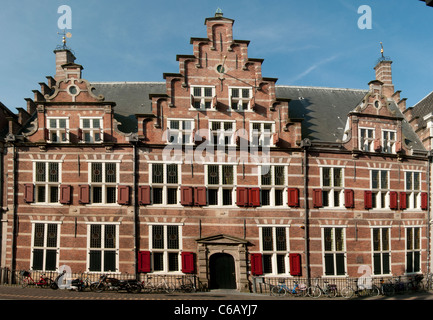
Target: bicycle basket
[25,273]
[333,286]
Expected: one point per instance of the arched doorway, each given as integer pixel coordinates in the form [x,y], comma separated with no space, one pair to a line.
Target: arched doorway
[222,271]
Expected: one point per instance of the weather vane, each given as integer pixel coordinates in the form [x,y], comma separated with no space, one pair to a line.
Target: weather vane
[65,35]
[383,58]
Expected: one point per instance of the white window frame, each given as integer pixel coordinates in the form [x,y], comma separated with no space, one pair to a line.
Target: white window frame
[165,184]
[414,250]
[262,134]
[103,184]
[47,184]
[177,136]
[92,131]
[62,133]
[331,190]
[381,251]
[221,133]
[165,250]
[413,195]
[274,253]
[221,185]
[388,145]
[203,98]
[334,251]
[236,103]
[45,247]
[102,248]
[366,143]
[380,195]
[272,187]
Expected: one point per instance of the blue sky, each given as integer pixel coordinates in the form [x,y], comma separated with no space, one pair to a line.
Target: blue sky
[305,43]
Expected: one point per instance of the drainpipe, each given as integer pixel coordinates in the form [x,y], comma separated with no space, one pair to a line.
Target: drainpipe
[429,163]
[305,144]
[135,204]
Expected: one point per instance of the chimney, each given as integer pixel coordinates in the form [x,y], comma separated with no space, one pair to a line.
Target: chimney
[384,75]
[63,56]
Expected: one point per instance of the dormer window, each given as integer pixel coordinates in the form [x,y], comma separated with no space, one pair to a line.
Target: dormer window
[240,98]
[91,130]
[203,97]
[180,131]
[58,130]
[366,139]
[262,133]
[388,141]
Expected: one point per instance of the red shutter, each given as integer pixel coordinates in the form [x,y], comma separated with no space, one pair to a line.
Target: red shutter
[349,198]
[393,200]
[424,200]
[242,196]
[295,264]
[200,196]
[144,195]
[123,194]
[83,194]
[187,262]
[29,193]
[144,261]
[376,145]
[256,264]
[403,201]
[317,198]
[186,196]
[368,199]
[79,134]
[293,197]
[65,194]
[254,197]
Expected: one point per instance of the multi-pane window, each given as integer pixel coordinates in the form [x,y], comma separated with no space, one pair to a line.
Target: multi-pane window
[58,129]
[273,182]
[366,139]
[380,188]
[413,189]
[261,133]
[332,187]
[103,247]
[334,251]
[220,184]
[45,246]
[47,181]
[274,246]
[180,131]
[413,249]
[381,251]
[202,97]
[222,132]
[103,180]
[240,98]
[165,181]
[165,247]
[388,141]
[92,130]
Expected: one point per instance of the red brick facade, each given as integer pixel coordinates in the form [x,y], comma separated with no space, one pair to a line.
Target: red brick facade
[191,189]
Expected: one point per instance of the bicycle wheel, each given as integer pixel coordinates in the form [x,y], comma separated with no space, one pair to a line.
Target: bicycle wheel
[388,290]
[47,283]
[278,291]
[314,292]
[347,292]
[374,291]
[25,282]
[332,292]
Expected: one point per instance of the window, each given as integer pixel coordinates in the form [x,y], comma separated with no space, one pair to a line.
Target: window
[180,131]
[388,141]
[92,130]
[220,184]
[413,190]
[261,133]
[380,186]
[103,181]
[274,246]
[366,139]
[165,242]
[58,129]
[47,181]
[413,249]
[45,246]
[103,247]
[202,97]
[334,251]
[240,98]
[165,181]
[332,187]
[381,251]
[222,132]
[272,182]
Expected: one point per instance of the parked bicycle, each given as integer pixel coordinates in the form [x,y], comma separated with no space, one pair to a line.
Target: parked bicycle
[282,289]
[329,290]
[26,280]
[415,283]
[186,285]
[164,286]
[361,290]
[386,288]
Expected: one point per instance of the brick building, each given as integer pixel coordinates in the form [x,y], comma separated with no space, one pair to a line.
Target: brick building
[216,171]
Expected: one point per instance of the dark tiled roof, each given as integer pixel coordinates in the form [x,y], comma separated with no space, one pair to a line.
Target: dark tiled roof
[421,109]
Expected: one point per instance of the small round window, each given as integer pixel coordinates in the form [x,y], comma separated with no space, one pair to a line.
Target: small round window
[73,90]
[220,68]
[377,104]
